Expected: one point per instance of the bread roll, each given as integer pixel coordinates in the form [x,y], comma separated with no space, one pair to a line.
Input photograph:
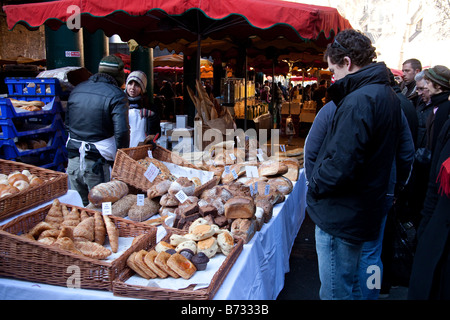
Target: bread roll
[159,189]
[110,191]
[17,176]
[208,246]
[184,184]
[226,242]
[240,207]
[243,229]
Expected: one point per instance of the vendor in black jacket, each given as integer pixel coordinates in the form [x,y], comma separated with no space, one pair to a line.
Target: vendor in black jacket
[348,184]
[97,122]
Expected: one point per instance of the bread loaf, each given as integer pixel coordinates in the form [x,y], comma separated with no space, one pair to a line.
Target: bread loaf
[293,168]
[121,207]
[243,229]
[110,191]
[272,168]
[240,207]
[142,213]
[282,184]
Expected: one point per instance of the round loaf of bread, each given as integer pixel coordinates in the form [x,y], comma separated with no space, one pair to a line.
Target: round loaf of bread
[21,184]
[208,246]
[184,184]
[225,241]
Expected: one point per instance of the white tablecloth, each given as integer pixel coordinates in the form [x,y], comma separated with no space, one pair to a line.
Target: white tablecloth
[257,274]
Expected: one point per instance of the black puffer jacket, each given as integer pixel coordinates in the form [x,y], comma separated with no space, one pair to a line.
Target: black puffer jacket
[97,109]
[348,184]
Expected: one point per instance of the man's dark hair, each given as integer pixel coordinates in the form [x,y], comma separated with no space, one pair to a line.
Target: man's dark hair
[415,64]
[353,44]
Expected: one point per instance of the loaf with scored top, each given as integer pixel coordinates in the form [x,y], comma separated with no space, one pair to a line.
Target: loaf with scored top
[110,191]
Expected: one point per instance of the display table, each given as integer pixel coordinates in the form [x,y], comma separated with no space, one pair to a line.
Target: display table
[257,274]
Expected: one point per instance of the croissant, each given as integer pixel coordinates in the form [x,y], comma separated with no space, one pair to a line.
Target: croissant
[55,215]
[64,210]
[92,250]
[36,231]
[83,215]
[113,233]
[66,232]
[52,233]
[99,228]
[84,231]
[66,244]
[72,218]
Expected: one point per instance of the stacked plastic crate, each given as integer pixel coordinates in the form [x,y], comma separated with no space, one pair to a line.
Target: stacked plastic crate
[33,137]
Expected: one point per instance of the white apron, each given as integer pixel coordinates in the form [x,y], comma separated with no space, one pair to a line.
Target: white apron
[106,147]
[137,127]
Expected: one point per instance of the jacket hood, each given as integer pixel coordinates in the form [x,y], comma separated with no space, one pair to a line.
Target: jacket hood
[374,73]
[103,77]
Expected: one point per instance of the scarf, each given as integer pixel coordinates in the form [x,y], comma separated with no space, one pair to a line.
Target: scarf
[136,103]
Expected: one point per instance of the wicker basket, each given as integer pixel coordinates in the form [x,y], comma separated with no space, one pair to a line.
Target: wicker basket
[120,288]
[55,186]
[30,260]
[127,169]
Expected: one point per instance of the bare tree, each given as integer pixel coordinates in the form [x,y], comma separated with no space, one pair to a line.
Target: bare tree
[443,11]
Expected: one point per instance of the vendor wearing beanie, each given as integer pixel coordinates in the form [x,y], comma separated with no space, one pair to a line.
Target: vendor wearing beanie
[97,123]
[143,116]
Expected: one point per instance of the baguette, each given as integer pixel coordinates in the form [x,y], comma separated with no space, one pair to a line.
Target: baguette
[110,191]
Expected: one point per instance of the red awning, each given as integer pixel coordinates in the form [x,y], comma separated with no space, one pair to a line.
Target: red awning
[179,24]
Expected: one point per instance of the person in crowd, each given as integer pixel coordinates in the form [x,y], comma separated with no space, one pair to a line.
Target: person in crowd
[438,85]
[265,92]
[277,103]
[306,93]
[143,117]
[410,68]
[169,100]
[179,88]
[97,123]
[319,94]
[430,276]
[423,108]
[348,183]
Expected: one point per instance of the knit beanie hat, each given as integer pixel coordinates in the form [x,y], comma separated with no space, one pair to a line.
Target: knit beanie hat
[113,66]
[140,77]
[440,75]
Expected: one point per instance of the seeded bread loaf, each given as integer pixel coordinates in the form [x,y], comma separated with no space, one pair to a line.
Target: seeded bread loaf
[110,191]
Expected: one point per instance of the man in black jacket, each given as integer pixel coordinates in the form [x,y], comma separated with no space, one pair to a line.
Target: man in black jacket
[348,184]
[97,122]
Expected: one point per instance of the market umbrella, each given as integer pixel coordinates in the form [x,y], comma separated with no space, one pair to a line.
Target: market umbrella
[175,60]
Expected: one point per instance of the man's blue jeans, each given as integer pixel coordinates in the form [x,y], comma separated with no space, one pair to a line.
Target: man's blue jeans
[338,267]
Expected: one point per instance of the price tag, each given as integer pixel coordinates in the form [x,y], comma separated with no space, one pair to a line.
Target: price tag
[283,147]
[259,151]
[150,153]
[235,175]
[227,170]
[181,196]
[202,203]
[106,208]
[251,190]
[266,189]
[140,200]
[260,157]
[232,156]
[252,171]
[152,172]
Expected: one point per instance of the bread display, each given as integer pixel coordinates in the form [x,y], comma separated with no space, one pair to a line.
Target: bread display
[17,181]
[110,191]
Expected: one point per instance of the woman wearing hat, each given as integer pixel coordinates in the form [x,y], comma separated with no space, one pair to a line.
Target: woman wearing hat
[438,84]
[143,117]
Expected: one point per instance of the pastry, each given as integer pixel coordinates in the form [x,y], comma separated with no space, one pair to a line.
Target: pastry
[133,266]
[71,219]
[181,265]
[52,233]
[208,246]
[161,261]
[110,191]
[197,222]
[184,184]
[163,246]
[84,231]
[139,261]
[21,185]
[66,244]
[200,260]
[149,260]
[36,231]
[142,213]
[176,239]
[99,228]
[240,207]
[8,190]
[203,231]
[55,216]
[112,232]
[17,176]
[121,207]
[226,242]
[189,244]
[66,232]
[92,250]
[48,240]
[35,181]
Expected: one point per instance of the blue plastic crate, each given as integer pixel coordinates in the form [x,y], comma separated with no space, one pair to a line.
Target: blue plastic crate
[9,150]
[53,159]
[42,124]
[8,111]
[33,86]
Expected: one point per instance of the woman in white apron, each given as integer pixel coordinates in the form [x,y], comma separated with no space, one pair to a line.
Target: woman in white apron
[143,121]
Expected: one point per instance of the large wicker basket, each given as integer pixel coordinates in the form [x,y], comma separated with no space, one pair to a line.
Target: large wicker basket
[127,169]
[30,260]
[121,288]
[55,186]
